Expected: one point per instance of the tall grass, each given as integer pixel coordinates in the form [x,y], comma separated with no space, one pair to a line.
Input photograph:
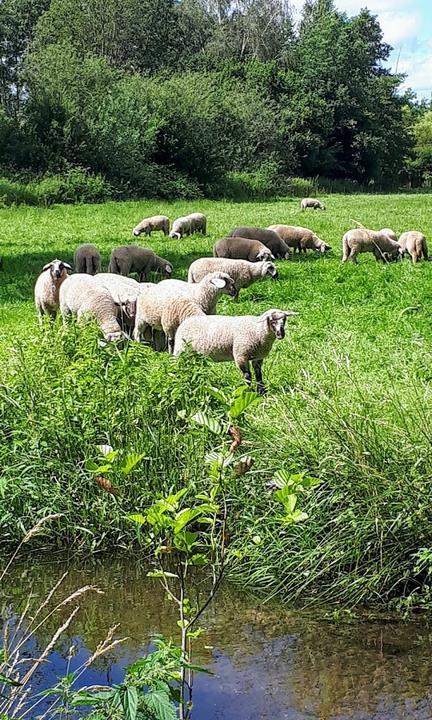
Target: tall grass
[349,401]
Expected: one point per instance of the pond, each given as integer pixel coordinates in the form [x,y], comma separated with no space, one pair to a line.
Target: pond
[268,662]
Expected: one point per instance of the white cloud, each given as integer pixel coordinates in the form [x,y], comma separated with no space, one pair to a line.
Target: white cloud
[418,68]
[399,27]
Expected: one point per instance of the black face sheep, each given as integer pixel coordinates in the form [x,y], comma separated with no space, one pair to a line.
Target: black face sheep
[243,272]
[238,248]
[268,237]
[148,225]
[312,203]
[133,258]
[414,243]
[361,240]
[87,259]
[243,339]
[47,288]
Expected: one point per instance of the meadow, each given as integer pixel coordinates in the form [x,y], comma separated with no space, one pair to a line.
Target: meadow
[349,401]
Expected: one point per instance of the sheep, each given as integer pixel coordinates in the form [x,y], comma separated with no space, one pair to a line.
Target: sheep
[239,248]
[300,238]
[243,272]
[80,295]
[312,203]
[198,223]
[268,237]
[362,240]
[181,226]
[47,287]
[389,232]
[241,338]
[87,259]
[148,225]
[164,308]
[134,258]
[414,243]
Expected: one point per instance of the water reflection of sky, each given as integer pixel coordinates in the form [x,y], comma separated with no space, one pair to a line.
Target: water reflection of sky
[268,663]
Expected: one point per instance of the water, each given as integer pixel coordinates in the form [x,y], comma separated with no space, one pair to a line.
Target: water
[268,663]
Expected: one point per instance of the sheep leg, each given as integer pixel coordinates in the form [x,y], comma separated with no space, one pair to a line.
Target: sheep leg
[171,339]
[414,256]
[243,365]
[353,256]
[257,366]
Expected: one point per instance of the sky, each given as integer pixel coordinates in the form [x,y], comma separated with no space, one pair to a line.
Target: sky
[407,27]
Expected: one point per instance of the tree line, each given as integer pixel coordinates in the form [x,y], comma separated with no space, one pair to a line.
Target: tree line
[176,97]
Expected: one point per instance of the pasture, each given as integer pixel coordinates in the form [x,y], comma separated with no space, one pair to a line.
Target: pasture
[349,400]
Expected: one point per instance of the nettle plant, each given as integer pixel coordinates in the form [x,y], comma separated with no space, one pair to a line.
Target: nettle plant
[186,536]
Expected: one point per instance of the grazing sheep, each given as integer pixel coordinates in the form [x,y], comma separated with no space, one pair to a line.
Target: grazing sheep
[361,240]
[239,248]
[300,238]
[312,203]
[414,243]
[244,339]
[268,237]
[80,295]
[148,225]
[46,292]
[181,226]
[134,258]
[165,306]
[243,272]
[87,259]
[198,223]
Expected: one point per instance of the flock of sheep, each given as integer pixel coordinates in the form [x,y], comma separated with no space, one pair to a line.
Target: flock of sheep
[175,314]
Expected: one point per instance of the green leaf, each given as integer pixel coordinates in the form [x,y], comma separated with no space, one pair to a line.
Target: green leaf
[130,702]
[299,516]
[199,559]
[290,502]
[244,400]
[88,698]
[281,478]
[160,704]
[184,517]
[137,518]
[9,681]
[208,422]
[130,461]
[160,574]
[185,540]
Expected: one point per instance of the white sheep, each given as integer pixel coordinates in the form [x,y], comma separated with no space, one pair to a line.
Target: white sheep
[362,240]
[198,223]
[243,272]
[389,232]
[244,339]
[414,243]
[312,203]
[87,259]
[166,305]
[181,226]
[47,287]
[148,225]
[80,295]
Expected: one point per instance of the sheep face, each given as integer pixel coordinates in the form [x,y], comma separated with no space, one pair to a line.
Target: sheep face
[58,269]
[174,234]
[275,320]
[225,283]
[269,270]
[325,248]
[265,255]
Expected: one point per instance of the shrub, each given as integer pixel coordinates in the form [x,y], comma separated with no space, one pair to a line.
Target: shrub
[74,186]
[265,182]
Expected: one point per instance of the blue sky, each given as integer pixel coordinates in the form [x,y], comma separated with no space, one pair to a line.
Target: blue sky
[407,27]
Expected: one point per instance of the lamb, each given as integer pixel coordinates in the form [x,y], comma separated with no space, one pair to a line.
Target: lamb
[134,258]
[300,238]
[198,223]
[243,272]
[244,339]
[148,225]
[268,237]
[239,248]
[87,259]
[47,287]
[414,243]
[181,226]
[312,203]
[362,240]
[80,295]
[164,307]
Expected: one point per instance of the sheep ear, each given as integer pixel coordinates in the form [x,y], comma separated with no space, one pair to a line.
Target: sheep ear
[287,256]
[67,266]
[287,313]
[218,282]
[168,269]
[131,307]
[47,266]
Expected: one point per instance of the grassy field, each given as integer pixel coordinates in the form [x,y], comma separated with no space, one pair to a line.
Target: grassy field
[349,400]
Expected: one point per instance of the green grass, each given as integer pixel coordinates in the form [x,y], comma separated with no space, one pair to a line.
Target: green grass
[349,400]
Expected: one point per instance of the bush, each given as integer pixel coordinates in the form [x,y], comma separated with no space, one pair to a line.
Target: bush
[259,184]
[75,186]
[301,187]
